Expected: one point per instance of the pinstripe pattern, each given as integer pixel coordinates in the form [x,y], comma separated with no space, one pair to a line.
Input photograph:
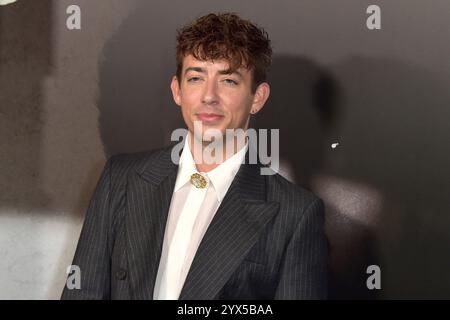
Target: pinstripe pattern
[266,240]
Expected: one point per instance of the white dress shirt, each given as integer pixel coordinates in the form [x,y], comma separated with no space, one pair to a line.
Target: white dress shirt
[191,211]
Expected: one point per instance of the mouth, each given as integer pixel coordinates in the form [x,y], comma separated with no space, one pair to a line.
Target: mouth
[209,117]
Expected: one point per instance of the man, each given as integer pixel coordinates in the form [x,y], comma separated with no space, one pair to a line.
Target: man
[156,229]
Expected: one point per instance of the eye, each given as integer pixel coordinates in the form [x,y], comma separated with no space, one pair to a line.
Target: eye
[194,79]
[231,82]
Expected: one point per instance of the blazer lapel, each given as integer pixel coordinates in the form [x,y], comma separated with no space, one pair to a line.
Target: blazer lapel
[149,193]
[233,231]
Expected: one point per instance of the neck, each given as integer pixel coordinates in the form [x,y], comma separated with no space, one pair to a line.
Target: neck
[202,151]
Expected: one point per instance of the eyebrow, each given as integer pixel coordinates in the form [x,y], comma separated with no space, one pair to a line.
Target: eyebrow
[202,70]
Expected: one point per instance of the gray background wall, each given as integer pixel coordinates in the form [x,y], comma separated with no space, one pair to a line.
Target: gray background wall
[69,99]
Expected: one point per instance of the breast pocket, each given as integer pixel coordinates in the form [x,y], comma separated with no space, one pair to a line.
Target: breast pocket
[251,280]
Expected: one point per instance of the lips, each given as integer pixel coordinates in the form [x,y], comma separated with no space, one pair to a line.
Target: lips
[209,117]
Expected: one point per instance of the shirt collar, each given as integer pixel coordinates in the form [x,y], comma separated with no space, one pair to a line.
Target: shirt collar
[220,177]
[186,166]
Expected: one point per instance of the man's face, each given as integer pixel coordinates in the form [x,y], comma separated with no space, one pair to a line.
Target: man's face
[206,93]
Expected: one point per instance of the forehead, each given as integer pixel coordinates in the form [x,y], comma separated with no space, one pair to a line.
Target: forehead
[217,65]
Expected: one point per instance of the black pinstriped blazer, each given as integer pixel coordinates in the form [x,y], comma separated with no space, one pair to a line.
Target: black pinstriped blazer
[266,240]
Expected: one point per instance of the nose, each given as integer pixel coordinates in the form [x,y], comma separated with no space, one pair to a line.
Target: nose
[210,94]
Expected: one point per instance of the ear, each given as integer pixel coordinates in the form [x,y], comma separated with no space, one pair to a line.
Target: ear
[176,91]
[261,95]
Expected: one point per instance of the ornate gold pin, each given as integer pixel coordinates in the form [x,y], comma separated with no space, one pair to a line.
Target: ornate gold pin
[198,181]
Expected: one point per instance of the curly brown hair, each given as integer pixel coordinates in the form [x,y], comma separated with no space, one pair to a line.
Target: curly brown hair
[226,36]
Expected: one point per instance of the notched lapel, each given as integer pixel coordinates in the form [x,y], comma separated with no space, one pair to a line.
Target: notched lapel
[149,193]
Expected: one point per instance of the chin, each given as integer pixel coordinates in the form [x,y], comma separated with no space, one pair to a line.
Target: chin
[210,137]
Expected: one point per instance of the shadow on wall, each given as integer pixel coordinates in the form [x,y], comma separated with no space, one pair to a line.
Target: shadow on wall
[384,185]
[25,59]
[137,111]
[305,105]
[395,138]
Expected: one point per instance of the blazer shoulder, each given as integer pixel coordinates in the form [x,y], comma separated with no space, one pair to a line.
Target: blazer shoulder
[289,195]
[123,162]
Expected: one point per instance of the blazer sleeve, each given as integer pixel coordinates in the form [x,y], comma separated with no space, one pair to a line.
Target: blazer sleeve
[304,270]
[92,254]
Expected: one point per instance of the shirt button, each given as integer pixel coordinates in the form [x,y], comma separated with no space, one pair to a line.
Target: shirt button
[121,274]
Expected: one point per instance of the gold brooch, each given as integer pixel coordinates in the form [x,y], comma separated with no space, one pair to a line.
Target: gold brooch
[198,181]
